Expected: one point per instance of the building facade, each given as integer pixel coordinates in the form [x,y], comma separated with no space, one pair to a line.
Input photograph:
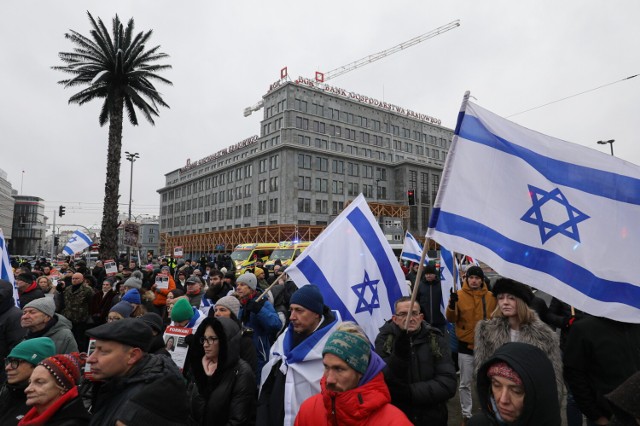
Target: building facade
[7,203]
[29,224]
[319,147]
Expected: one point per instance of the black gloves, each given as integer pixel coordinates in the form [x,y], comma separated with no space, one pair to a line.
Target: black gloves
[253,306]
[453,299]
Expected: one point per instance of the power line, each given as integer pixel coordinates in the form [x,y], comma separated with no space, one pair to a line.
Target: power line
[573,96]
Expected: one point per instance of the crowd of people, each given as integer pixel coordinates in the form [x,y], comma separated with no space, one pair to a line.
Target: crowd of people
[86,346]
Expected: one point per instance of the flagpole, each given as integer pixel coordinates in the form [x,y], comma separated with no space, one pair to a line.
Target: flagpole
[414,293]
[455,271]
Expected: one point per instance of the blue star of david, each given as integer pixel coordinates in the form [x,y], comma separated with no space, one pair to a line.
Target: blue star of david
[361,289]
[442,273]
[72,239]
[568,228]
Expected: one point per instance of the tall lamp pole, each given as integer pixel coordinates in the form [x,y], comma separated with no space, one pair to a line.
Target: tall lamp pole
[131,158]
[610,142]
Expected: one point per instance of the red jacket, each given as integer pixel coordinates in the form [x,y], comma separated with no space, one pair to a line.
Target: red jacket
[369,404]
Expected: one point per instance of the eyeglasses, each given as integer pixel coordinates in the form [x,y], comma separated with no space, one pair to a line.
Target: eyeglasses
[112,319]
[404,314]
[209,340]
[13,362]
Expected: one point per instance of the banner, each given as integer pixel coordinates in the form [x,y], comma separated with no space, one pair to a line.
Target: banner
[542,211]
[354,267]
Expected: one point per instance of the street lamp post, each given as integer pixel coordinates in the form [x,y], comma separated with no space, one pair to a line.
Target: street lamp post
[131,158]
[610,142]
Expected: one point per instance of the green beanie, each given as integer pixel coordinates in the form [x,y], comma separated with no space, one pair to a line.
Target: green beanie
[181,311]
[350,348]
[33,350]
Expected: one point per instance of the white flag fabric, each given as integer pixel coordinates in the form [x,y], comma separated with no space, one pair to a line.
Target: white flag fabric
[542,211]
[354,266]
[412,249]
[6,271]
[78,242]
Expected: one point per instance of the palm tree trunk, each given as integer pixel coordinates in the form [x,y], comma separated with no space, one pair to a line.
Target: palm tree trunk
[109,232]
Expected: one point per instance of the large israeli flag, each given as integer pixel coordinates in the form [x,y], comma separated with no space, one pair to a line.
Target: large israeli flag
[542,211]
[354,267]
[6,271]
[78,242]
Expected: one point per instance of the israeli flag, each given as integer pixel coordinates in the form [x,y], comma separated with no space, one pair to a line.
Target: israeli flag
[542,211]
[354,267]
[448,280]
[412,250]
[6,271]
[78,242]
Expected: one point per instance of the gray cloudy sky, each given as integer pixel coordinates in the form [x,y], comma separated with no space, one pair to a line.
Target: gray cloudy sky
[512,55]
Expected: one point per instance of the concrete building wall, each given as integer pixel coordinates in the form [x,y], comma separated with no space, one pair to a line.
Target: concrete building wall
[7,203]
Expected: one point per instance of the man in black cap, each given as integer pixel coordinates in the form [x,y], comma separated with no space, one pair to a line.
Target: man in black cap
[28,290]
[123,369]
[281,394]
[430,297]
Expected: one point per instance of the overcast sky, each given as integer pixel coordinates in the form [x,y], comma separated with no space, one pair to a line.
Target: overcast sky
[511,55]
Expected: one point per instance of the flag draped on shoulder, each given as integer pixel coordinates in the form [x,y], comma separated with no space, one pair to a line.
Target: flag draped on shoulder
[6,270]
[78,242]
[412,249]
[542,211]
[354,267]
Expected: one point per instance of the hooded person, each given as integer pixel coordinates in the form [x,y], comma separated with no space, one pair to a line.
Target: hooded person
[10,331]
[224,391]
[229,307]
[19,365]
[353,390]
[517,386]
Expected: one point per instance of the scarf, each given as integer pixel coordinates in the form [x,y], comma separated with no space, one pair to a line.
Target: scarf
[32,418]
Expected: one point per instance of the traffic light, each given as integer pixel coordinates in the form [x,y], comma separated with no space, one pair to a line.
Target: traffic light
[56,240]
[61,211]
[411,196]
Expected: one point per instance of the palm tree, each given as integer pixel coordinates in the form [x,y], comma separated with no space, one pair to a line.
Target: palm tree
[119,69]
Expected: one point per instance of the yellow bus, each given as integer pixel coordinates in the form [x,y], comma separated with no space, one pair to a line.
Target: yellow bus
[244,256]
[287,252]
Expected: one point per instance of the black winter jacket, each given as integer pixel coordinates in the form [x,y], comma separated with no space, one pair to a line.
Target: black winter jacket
[228,397]
[424,362]
[12,403]
[11,333]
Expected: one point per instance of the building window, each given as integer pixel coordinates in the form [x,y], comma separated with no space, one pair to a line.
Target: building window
[337,187]
[247,210]
[353,188]
[322,206]
[337,166]
[304,161]
[302,123]
[262,207]
[304,140]
[274,162]
[273,205]
[337,207]
[304,183]
[322,164]
[304,205]
[353,169]
[273,183]
[321,185]
[262,167]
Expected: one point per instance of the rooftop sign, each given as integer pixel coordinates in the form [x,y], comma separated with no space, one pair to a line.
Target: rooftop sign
[249,141]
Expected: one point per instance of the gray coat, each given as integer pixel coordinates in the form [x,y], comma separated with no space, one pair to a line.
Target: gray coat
[62,336]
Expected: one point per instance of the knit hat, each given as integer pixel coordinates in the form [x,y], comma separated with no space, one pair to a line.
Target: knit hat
[258,271]
[128,331]
[33,350]
[165,268]
[502,369]
[181,311]
[153,320]
[25,277]
[124,308]
[429,269]
[476,271]
[309,297]
[509,286]
[248,279]
[65,369]
[230,303]
[46,305]
[133,282]
[350,348]
[132,296]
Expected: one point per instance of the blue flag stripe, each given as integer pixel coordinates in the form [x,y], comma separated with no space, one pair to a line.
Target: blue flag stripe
[575,276]
[412,257]
[314,275]
[597,182]
[84,237]
[368,235]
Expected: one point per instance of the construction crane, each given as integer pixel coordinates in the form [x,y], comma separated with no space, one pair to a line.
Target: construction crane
[323,77]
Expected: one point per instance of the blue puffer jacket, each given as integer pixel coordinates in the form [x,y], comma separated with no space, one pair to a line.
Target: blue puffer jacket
[265,325]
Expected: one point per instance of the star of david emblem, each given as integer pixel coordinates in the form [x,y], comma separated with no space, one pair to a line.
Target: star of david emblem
[561,210]
[361,291]
[73,239]
[442,273]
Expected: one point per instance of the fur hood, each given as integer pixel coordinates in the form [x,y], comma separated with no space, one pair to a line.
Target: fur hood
[492,334]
